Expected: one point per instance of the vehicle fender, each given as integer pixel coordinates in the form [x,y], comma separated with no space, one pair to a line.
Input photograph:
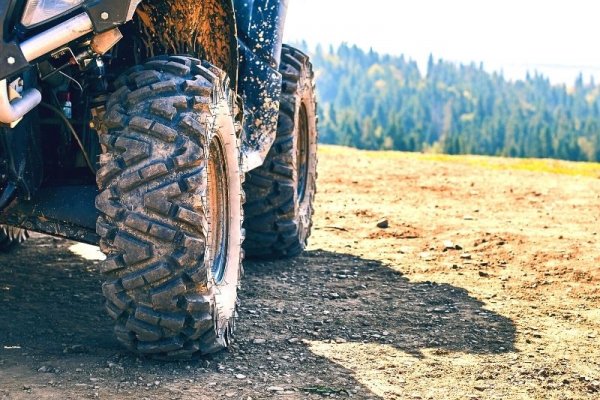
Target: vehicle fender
[205,29]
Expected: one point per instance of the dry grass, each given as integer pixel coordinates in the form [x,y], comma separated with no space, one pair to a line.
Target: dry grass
[586,169]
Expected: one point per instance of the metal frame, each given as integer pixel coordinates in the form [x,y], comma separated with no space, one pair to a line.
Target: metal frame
[9,48]
[15,57]
[67,211]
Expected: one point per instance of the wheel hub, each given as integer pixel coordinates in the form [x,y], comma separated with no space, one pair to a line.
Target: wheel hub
[218,209]
[302,152]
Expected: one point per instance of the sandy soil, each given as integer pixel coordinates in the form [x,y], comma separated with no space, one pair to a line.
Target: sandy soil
[485,285]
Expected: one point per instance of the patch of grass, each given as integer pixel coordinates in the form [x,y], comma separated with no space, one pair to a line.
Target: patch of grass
[324,390]
[586,169]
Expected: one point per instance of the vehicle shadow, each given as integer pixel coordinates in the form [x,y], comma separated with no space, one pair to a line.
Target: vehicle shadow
[50,300]
[56,340]
[341,296]
[53,327]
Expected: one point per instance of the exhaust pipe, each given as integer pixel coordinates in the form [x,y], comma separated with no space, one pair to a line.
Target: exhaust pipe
[12,111]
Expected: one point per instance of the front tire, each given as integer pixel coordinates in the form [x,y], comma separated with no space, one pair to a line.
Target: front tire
[170,207]
[281,192]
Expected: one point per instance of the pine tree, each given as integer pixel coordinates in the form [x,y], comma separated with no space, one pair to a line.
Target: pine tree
[378,101]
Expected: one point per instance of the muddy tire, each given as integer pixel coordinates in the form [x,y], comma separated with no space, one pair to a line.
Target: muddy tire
[11,237]
[170,206]
[281,192]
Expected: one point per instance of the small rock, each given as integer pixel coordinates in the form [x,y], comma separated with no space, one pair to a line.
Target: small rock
[465,256]
[383,223]
[46,369]
[426,256]
[293,340]
[240,376]
[484,274]
[275,389]
[259,341]
[450,245]
[334,296]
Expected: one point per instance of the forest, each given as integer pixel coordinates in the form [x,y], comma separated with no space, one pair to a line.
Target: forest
[382,102]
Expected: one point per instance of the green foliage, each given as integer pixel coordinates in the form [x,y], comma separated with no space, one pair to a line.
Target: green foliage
[382,102]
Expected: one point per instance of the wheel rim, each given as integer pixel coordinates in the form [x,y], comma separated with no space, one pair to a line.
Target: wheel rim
[302,149]
[218,211]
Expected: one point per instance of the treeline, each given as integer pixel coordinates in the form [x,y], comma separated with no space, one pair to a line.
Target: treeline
[373,101]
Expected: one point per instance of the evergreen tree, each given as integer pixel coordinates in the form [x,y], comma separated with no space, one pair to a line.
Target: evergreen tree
[374,101]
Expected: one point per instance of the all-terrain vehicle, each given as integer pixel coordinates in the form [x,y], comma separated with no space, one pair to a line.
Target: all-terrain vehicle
[132,125]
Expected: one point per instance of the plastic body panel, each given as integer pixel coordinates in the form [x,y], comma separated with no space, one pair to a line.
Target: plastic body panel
[260,32]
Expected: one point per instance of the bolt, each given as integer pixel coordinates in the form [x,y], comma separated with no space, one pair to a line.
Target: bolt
[104,15]
[11,60]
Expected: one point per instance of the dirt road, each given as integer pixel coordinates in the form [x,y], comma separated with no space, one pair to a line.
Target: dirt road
[484,285]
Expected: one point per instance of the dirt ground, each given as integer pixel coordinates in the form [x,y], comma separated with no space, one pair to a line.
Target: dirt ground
[485,285]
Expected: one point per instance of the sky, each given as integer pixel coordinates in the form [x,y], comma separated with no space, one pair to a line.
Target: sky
[558,38]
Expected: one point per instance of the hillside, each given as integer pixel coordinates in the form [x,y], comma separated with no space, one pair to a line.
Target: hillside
[484,285]
[381,102]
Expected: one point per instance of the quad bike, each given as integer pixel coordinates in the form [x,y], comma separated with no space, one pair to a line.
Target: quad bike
[133,125]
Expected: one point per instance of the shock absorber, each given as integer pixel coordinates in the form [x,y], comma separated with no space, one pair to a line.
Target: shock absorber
[96,92]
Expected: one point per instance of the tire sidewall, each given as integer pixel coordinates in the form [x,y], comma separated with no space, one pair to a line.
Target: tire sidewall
[225,291]
[305,96]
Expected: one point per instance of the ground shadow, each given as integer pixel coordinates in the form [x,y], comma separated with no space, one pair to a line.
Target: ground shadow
[343,296]
[50,300]
[57,341]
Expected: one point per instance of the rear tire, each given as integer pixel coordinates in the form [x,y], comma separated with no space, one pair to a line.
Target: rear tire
[170,207]
[281,192]
[11,237]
